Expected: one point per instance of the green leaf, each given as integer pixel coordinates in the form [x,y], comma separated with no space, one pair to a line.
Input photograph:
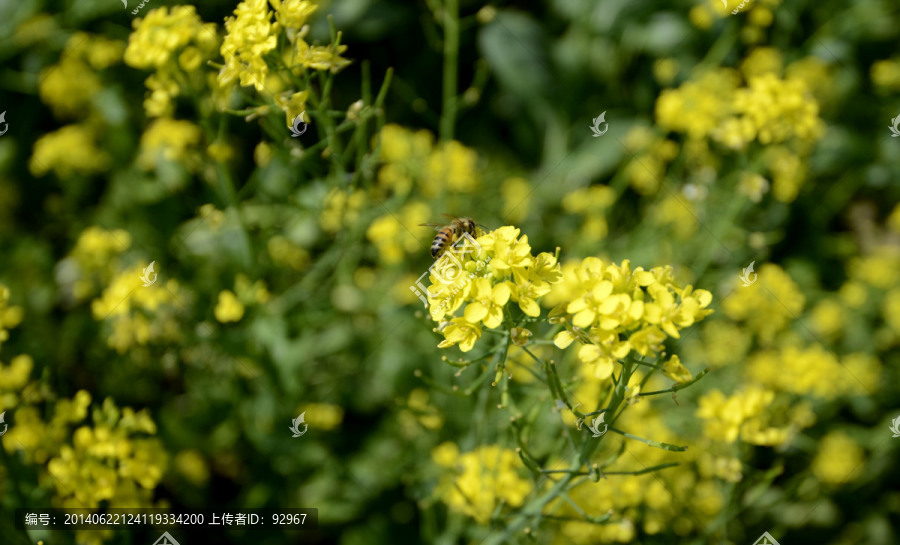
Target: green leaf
[513,45]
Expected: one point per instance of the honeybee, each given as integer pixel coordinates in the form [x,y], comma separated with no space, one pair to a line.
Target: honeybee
[448,234]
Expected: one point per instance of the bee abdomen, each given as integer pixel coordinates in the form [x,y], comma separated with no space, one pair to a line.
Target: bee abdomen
[440,242]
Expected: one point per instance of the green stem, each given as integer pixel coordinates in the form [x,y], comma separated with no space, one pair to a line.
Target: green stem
[451,51]
[679,386]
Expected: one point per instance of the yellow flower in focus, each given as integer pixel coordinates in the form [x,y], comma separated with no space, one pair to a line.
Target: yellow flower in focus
[321,57]
[461,332]
[293,13]
[487,303]
[162,32]
[508,252]
[70,150]
[229,309]
[527,289]
[250,35]
[674,369]
[839,459]
[293,106]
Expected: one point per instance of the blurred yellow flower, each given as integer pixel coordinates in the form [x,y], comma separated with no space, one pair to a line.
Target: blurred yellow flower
[768,305]
[171,140]
[250,35]
[483,477]
[229,308]
[323,416]
[70,150]
[839,459]
[193,466]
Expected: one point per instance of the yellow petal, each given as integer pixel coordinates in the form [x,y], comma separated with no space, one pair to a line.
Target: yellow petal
[475,312]
[563,339]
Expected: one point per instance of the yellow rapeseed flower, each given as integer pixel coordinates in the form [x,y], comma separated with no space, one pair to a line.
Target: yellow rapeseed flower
[839,459]
[250,35]
[484,477]
[229,308]
[67,151]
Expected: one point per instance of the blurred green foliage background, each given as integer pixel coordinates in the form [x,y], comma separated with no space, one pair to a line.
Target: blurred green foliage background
[284,264]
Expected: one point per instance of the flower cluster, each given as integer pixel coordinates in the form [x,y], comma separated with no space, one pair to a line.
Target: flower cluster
[70,150]
[480,479]
[410,158]
[750,415]
[139,314]
[231,305]
[487,275]
[591,204]
[111,461]
[10,316]
[767,306]
[815,371]
[839,459]
[175,44]
[69,87]
[612,310]
[659,500]
[251,34]
[390,236]
[778,108]
[173,140]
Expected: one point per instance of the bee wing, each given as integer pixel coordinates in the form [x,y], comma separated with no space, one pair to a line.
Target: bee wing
[451,216]
[437,226]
